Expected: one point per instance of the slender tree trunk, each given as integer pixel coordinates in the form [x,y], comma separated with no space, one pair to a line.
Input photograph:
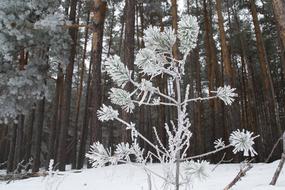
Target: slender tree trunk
[65,117]
[29,135]
[224,46]
[129,54]
[100,8]
[10,163]
[79,96]
[55,124]
[213,75]
[86,116]
[19,141]
[174,26]
[38,135]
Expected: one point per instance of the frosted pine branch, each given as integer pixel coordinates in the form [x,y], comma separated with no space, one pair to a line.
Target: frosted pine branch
[107,113]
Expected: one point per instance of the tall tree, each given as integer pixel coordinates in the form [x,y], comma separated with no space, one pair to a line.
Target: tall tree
[99,12]
[269,90]
[129,50]
[65,117]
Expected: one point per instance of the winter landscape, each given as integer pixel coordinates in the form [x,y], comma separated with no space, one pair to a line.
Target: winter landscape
[142,94]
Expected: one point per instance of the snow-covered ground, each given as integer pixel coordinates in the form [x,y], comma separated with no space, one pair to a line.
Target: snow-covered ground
[127,177]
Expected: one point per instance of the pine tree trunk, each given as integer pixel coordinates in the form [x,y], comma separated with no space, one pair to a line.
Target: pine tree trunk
[86,117]
[29,127]
[100,8]
[271,101]
[38,135]
[55,124]
[79,96]
[224,46]
[174,26]
[19,141]
[10,162]
[216,121]
[129,54]
[279,11]
[65,117]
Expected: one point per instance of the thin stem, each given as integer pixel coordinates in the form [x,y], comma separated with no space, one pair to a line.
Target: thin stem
[149,104]
[199,99]
[156,91]
[141,136]
[205,154]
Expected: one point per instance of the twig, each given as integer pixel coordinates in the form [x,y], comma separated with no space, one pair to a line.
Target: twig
[273,149]
[206,154]
[240,174]
[219,162]
[278,170]
[280,165]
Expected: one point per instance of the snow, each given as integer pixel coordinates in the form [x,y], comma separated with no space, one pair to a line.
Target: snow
[128,177]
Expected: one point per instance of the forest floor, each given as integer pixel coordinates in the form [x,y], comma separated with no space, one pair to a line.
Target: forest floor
[127,177]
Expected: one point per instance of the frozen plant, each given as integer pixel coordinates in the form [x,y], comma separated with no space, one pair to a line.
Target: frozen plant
[154,61]
[52,180]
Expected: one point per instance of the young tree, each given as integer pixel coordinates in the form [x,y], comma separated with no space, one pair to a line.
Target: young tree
[155,59]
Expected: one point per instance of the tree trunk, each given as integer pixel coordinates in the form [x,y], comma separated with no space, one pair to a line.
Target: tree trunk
[19,141]
[224,46]
[129,54]
[28,136]
[271,101]
[100,8]
[61,152]
[174,26]
[10,162]
[38,135]
[86,116]
[56,115]
[279,11]
[79,96]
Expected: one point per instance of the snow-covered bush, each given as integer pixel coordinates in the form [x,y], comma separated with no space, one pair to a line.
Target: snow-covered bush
[155,60]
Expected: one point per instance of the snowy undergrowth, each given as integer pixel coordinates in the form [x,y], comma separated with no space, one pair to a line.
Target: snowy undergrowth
[127,177]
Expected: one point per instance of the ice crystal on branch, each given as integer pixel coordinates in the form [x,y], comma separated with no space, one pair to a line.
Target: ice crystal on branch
[117,70]
[159,41]
[242,141]
[99,156]
[219,143]
[226,94]
[188,30]
[122,98]
[146,60]
[197,169]
[107,113]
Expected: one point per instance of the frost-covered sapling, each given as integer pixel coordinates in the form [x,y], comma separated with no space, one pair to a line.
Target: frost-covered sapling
[178,170]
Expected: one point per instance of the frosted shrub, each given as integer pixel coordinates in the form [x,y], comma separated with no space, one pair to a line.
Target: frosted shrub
[154,60]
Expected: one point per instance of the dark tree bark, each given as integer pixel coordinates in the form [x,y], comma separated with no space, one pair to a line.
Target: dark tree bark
[19,141]
[65,117]
[10,163]
[269,90]
[38,135]
[279,11]
[86,116]
[55,124]
[28,135]
[100,8]
[79,96]
[129,54]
